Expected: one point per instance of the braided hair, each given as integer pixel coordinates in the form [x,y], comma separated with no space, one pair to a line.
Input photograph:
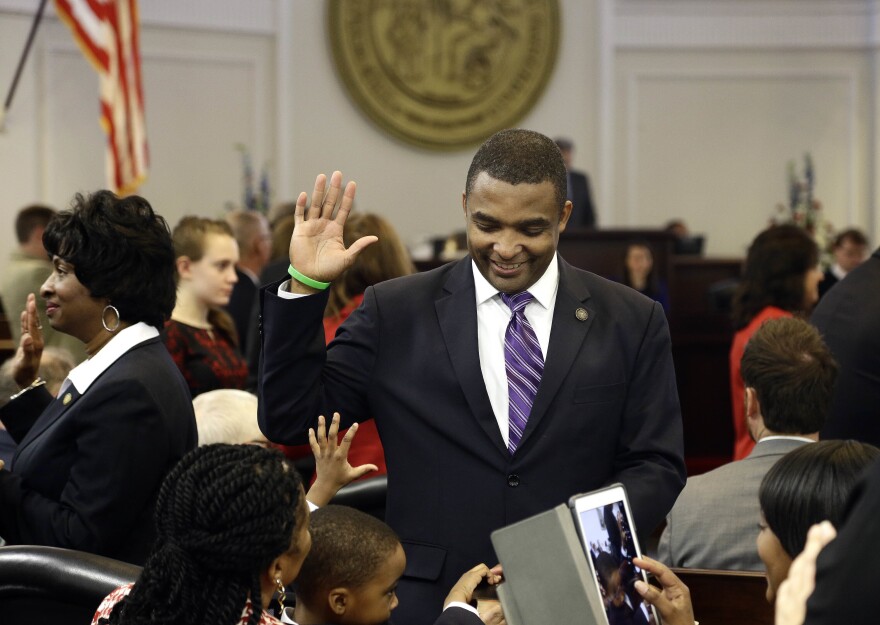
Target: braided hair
[223,514]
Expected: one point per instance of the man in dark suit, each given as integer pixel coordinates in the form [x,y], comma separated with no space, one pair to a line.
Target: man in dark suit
[849,251]
[251,230]
[583,215]
[848,317]
[436,358]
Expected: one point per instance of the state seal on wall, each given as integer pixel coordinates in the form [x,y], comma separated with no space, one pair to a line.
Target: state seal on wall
[444,74]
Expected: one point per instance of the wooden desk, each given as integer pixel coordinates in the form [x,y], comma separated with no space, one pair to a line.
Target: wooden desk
[728,597]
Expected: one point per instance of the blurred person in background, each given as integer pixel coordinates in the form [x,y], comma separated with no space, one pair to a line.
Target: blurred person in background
[200,335]
[251,231]
[639,274]
[228,416]
[781,278]
[27,269]
[850,250]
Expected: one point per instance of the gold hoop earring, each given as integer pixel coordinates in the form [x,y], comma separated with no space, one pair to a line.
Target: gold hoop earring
[282,593]
[118,318]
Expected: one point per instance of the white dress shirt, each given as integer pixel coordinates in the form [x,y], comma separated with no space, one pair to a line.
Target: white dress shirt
[493,316]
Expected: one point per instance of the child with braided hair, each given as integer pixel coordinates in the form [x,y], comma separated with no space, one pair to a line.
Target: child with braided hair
[232,527]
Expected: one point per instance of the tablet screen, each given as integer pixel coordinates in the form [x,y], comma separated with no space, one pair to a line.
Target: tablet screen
[607,535]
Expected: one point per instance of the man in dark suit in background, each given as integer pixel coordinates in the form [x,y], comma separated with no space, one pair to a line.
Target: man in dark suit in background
[251,231]
[583,215]
[849,251]
[848,317]
[501,384]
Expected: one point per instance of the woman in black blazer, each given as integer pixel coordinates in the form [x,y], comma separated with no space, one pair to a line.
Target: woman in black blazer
[89,463]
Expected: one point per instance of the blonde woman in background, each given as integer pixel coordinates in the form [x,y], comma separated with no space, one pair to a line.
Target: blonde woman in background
[200,336]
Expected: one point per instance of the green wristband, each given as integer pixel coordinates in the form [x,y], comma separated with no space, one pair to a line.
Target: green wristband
[321,286]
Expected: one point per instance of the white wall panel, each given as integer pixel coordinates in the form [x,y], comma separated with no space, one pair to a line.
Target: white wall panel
[713,147]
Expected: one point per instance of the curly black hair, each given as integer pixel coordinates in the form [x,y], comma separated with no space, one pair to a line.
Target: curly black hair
[120,250]
[224,513]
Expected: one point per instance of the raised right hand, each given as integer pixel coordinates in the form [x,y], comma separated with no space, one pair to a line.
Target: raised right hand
[317,249]
[26,363]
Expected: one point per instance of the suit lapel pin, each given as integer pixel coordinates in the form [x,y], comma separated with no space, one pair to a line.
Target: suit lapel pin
[581,314]
[67,399]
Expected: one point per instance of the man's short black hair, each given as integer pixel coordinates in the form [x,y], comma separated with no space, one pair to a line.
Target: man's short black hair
[518,156]
[348,548]
[793,374]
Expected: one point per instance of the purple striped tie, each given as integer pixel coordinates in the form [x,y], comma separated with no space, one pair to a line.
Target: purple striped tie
[524,363]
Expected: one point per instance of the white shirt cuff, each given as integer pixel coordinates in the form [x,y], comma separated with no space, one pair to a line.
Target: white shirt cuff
[312,507]
[459,604]
[284,291]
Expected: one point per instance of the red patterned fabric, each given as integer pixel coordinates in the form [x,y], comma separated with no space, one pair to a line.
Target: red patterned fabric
[207,358]
[120,593]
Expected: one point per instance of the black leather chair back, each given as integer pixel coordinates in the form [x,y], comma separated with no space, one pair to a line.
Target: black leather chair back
[58,586]
[367,495]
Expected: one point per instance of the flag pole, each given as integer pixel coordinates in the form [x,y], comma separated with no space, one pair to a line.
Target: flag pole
[21,61]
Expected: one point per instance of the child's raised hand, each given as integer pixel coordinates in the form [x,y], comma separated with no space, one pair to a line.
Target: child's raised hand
[331,460]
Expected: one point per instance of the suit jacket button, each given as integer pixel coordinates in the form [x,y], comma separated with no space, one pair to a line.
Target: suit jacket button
[513,480]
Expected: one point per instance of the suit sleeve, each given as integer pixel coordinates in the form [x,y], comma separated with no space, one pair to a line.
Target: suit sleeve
[20,414]
[120,435]
[301,377]
[664,548]
[650,451]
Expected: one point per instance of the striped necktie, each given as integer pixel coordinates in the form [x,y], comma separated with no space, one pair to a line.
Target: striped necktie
[524,363]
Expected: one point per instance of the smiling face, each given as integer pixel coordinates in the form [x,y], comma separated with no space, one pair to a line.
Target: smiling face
[513,230]
[212,277]
[70,307]
[372,603]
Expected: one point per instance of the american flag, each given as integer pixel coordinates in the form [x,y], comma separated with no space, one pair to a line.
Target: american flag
[107,33]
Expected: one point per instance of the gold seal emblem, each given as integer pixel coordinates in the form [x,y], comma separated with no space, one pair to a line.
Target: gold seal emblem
[444,74]
[581,314]
[67,399]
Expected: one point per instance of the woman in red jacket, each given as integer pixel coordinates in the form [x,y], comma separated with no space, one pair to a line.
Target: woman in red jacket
[781,278]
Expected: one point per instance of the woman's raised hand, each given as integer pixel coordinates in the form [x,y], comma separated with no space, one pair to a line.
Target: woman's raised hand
[30,348]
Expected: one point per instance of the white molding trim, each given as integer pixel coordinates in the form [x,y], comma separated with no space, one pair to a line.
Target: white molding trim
[254,62]
[634,78]
[606,97]
[773,24]
[284,101]
[242,16]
